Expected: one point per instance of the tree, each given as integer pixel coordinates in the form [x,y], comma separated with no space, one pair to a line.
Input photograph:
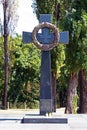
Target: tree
[82,92]
[76,22]
[81,8]
[9,22]
[74,19]
[24,73]
[52,7]
[41,6]
[1,67]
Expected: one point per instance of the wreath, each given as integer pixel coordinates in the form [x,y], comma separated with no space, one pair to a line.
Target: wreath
[45,47]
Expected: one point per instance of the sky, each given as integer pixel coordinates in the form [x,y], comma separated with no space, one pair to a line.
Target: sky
[27,19]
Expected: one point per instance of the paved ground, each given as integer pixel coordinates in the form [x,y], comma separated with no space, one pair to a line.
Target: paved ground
[11,120]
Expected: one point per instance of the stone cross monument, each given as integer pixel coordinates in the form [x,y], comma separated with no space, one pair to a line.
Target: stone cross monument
[45,38]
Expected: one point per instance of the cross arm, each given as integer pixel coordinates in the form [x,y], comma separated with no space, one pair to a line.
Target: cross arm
[27,37]
[64,37]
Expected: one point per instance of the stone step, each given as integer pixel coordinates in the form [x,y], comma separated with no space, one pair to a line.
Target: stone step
[40,119]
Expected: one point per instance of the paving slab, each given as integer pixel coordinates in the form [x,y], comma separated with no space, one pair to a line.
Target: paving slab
[12,121]
[34,127]
[77,121]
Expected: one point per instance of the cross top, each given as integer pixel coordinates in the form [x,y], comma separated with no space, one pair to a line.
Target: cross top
[45,37]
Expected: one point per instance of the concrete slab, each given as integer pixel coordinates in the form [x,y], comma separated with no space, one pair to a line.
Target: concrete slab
[12,121]
[34,127]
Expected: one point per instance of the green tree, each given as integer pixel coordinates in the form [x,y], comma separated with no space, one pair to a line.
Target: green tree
[57,54]
[24,73]
[9,21]
[73,17]
[76,22]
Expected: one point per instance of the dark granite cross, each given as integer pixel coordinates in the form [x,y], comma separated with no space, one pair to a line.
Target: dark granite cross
[45,81]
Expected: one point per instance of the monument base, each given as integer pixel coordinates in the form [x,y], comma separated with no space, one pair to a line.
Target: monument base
[45,106]
[43,119]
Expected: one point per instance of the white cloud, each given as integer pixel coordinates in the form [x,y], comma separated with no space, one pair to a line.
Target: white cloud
[27,19]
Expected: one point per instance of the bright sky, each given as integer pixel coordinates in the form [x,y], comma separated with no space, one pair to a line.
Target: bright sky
[27,19]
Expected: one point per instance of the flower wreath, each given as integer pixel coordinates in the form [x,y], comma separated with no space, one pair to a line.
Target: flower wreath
[45,47]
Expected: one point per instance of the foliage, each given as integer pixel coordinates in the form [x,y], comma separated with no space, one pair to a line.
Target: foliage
[75,103]
[73,17]
[24,79]
[44,7]
[75,21]
[76,50]
[57,59]
[62,85]
[24,60]
[9,20]
[1,67]
[41,6]
[24,72]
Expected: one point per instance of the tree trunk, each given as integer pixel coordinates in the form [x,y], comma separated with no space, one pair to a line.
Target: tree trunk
[4,101]
[54,72]
[82,92]
[54,91]
[73,82]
